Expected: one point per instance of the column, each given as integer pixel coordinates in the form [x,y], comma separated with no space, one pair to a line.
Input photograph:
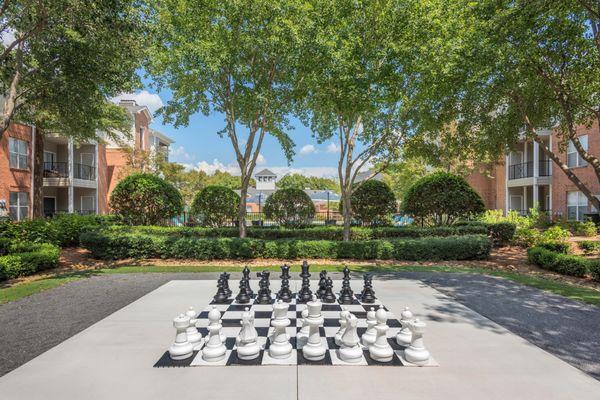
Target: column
[506,194]
[536,160]
[550,200]
[71,167]
[525,209]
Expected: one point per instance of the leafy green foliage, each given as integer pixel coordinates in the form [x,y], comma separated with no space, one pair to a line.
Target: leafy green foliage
[594,268]
[401,175]
[215,206]
[589,246]
[585,228]
[297,181]
[28,258]
[290,208]
[442,198]
[373,202]
[501,232]
[562,263]
[145,199]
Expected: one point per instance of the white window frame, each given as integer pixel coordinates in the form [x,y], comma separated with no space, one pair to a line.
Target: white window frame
[93,202]
[574,159]
[581,206]
[18,207]
[22,158]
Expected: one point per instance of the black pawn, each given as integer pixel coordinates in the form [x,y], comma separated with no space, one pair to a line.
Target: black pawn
[285,294]
[346,295]
[264,294]
[243,296]
[346,273]
[226,289]
[221,296]
[246,277]
[367,295]
[328,296]
[305,294]
[322,284]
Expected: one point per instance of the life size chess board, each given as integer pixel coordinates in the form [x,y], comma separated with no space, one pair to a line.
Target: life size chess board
[231,315]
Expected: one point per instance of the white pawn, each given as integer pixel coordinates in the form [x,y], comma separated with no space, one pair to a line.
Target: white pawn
[350,350]
[193,335]
[181,348]
[381,350]
[247,345]
[280,346]
[404,336]
[314,350]
[302,335]
[416,353]
[338,336]
[368,338]
[214,350]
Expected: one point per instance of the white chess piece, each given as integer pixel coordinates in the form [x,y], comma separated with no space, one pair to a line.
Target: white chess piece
[368,338]
[381,350]
[314,350]
[302,335]
[181,348]
[193,335]
[416,353]
[280,346]
[216,322]
[214,350]
[247,346]
[404,336]
[350,350]
[338,336]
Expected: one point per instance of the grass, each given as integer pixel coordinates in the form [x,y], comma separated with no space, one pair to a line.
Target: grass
[19,290]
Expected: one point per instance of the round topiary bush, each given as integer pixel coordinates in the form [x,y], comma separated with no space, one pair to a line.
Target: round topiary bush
[373,202]
[215,206]
[145,199]
[442,198]
[290,207]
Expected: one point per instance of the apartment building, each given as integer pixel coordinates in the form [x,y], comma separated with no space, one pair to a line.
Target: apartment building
[526,176]
[77,177]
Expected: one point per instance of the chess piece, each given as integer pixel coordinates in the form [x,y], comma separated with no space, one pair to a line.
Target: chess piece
[215,349]
[264,293]
[226,289]
[350,350]
[346,295]
[338,336]
[404,336]
[246,341]
[302,335]
[328,297]
[416,353]
[193,335]
[367,295]
[322,284]
[285,294]
[246,277]
[381,350]
[221,296]
[243,297]
[305,294]
[280,346]
[368,338]
[181,348]
[314,350]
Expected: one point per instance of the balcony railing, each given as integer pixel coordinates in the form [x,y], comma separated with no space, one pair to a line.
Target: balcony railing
[525,170]
[86,172]
[56,170]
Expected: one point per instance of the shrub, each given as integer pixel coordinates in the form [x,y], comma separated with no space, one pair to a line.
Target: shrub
[555,234]
[594,268]
[216,205]
[501,232]
[28,258]
[110,245]
[586,228]
[589,246]
[145,199]
[557,247]
[561,263]
[442,198]
[290,207]
[373,202]
[527,237]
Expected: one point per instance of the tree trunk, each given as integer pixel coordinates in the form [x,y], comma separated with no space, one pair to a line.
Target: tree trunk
[38,174]
[347,213]
[242,211]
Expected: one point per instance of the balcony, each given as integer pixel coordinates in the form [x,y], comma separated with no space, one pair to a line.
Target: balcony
[56,170]
[525,170]
[85,172]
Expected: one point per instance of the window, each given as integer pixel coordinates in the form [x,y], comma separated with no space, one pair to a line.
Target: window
[573,157]
[19,205]
[141,138]
[577,205]
[18,151]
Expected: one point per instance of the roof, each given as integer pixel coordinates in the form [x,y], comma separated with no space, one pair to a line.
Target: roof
[265,172]
[133,107]
[315,195]
[361,176]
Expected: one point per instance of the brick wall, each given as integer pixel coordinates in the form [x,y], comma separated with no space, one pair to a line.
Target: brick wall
[15,180]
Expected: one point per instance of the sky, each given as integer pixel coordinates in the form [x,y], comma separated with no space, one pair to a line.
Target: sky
[199,146]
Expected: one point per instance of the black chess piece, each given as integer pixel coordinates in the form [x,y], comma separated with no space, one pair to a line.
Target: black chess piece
[367,295]
[246,277]
[221,296]
[346,295]
[322,283]
[243,296]
[346,273]
[226,289]
[285,294]
[264,293]
[328,296]
[305,294]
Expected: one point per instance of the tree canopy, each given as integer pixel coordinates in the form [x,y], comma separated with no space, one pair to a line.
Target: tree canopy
[297,181]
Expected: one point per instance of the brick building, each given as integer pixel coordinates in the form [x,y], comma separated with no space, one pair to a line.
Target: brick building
[526,176]
[78,177]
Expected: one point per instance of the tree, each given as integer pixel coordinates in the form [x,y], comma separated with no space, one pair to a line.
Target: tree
[402,174]
[189,183]
[234,58]
[145,199]
[355,81]
[442,198]
[290,207]
[298,181]
[373,202]
[216,205]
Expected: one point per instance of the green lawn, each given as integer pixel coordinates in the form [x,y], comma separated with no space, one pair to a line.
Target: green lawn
[14,292]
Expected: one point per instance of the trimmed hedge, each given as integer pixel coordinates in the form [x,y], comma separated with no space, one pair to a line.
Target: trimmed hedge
[565,264]
[110,245]
[28,258]
[501,232]
[312,233]
[589,246]
[594,267]
[557,247]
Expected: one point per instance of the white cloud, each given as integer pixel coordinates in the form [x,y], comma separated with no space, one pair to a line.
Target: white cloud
[211,168]
[333,148]
[180,153]
[143,98]
[261,160]
[307,149]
